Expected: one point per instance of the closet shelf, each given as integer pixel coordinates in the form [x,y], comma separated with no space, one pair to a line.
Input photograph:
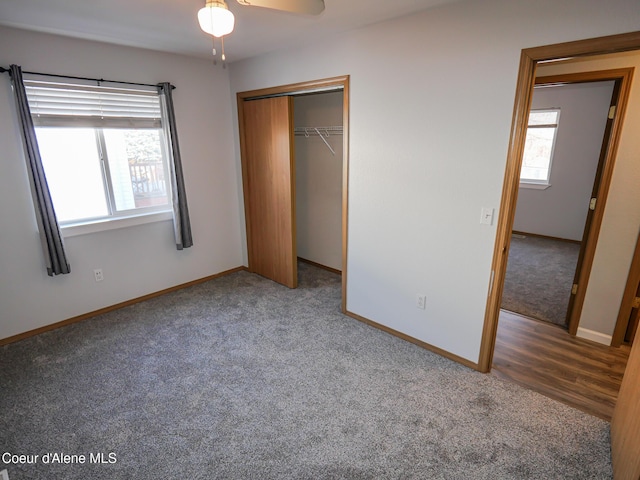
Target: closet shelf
[326,131]
[322,132]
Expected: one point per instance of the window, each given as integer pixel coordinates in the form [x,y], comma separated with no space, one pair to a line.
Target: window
[539,145]
[103,150]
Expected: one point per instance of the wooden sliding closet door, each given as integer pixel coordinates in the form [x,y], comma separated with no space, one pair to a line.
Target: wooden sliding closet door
[269,188]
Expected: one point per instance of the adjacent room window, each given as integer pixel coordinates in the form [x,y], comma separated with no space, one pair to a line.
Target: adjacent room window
[103,150]
[539,146]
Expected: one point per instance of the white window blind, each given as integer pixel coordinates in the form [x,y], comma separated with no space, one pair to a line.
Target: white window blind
[59,104]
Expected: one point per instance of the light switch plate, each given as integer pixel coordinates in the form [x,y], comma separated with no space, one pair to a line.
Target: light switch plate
[486,216]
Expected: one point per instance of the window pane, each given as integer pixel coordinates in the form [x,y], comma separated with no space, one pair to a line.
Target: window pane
[548,117]
[74,174]
[537,154]
[136,168]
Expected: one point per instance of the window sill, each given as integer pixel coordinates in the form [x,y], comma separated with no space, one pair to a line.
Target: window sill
[73,230]
[535,186]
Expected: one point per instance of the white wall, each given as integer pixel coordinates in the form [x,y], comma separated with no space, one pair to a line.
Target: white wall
[431,106]
[621,222]
[561,210]
[319,180]
[136,260]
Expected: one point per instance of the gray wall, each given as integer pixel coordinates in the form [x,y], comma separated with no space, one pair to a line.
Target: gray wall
[136,260]
[561,210]
[621,221]
[431,106]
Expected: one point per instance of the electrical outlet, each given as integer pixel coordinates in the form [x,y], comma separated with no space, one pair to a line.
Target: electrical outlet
[421,301]
[97,273]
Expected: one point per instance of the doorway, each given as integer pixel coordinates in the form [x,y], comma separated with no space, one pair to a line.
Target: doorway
[623,428]
[530,58]
[541,356]
[565,152]
[267,145]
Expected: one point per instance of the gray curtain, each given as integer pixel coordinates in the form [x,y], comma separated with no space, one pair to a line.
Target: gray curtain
[52,243]
[181,223]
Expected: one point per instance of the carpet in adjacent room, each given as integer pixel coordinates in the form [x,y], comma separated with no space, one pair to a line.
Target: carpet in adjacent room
[539,277]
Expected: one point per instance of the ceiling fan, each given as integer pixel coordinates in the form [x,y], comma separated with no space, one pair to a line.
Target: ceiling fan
[307,7]
[216,19]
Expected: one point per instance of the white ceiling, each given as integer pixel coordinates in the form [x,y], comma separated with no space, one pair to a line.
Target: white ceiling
[171,25]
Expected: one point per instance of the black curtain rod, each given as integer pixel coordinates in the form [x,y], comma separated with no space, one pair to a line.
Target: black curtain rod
[6,70]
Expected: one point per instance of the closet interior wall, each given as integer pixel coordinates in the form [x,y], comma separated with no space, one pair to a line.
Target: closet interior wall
[319,178]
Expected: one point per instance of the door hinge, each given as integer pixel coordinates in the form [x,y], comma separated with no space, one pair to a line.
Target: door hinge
[574,289]
[636,302]
[612,112]
[592,203]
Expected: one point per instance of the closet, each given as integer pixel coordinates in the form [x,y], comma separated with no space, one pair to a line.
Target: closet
[292,144]
[318,165]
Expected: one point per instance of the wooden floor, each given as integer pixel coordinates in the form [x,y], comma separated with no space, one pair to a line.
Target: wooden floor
[545,358]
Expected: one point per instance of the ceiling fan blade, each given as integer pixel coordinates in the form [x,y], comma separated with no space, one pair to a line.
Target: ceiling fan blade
[308,7]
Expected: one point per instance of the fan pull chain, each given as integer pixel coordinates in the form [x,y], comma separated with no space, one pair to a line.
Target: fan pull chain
[223,57]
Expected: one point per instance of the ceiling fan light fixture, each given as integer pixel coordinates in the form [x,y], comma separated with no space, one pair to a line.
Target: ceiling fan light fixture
[216,19]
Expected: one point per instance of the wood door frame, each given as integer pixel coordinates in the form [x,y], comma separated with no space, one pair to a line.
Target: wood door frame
[626,305]
[529,58]
[621,77]
[625,424]
[313,86]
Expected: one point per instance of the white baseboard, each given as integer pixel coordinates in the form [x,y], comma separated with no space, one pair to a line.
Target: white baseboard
[594,336]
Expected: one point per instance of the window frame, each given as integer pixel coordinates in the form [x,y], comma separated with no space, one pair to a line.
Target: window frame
[115,218]
[541,184]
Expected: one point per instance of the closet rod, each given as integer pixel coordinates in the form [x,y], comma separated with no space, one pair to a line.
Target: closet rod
[307,131]
[336,129]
